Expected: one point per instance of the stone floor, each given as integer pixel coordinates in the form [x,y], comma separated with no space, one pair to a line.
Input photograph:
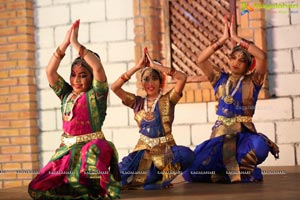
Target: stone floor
[280,183]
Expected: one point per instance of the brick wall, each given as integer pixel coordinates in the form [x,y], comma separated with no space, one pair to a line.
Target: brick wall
[18,94]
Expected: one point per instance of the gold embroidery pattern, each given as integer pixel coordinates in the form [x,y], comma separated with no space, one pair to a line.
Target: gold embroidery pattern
[144,166]
[229,159]
[58,86]
[68,140]
[232,120]
[174,96]
[129,100]
[149,143]
[164,106]
[247,96]
[91,161]
[140,116]
[249,161]
[75,162]
[152,142]
[94,111]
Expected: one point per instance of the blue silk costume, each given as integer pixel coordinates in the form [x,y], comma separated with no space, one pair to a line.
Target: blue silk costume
[156,159]
[235,148]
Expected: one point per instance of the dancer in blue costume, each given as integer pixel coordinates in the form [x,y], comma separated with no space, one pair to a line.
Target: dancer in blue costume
[235,148]
[156,159]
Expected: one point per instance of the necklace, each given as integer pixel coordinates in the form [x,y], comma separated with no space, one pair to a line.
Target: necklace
[150,112]
[228,99]
[68,115]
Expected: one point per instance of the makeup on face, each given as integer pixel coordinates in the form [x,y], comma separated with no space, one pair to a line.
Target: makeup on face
[80,79]
[239,56]
[147,79]
[150,74]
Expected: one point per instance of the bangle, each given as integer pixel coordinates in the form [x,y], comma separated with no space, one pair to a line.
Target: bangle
[82,51]
[171,72]
[125,77]
[59,54]
[244,44]
[216,45]
[56,56]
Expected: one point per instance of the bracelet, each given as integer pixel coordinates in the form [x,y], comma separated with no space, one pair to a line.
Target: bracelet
[244,44]
[171,72]
[59,54]
[125,77]
[56,56]
[82,51]
[216,45]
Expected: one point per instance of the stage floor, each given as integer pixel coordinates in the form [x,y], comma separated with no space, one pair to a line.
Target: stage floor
[280,183]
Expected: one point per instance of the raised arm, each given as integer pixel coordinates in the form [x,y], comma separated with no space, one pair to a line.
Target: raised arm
[203,57]
[260,55]
[177,75]
[52,67]
[116,87]
[89,56]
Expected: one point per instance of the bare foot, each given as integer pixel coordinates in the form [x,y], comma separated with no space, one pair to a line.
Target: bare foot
[168,186]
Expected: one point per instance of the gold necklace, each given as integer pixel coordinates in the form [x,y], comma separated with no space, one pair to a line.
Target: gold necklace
[149,116]
[67,116]
[228,99]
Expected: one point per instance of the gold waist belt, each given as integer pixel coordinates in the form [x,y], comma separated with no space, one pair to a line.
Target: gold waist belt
[69,140]
[151,142]
[232,120]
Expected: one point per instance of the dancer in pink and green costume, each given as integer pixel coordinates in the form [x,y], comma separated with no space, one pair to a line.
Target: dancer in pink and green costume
[85,166]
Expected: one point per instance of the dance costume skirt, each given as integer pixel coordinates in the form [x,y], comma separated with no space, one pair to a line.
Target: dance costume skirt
[152,177]
[80,171]
[213,163]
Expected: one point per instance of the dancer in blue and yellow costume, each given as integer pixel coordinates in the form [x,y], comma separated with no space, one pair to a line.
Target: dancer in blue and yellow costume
[235,148]
[156,160]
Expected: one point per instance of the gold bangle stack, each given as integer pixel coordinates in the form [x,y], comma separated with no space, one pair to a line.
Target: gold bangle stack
[124,77]
[59,54]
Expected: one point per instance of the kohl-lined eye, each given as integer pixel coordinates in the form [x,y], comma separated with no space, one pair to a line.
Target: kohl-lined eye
[232,57]
[242,60]
[150,78]
[82,75]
